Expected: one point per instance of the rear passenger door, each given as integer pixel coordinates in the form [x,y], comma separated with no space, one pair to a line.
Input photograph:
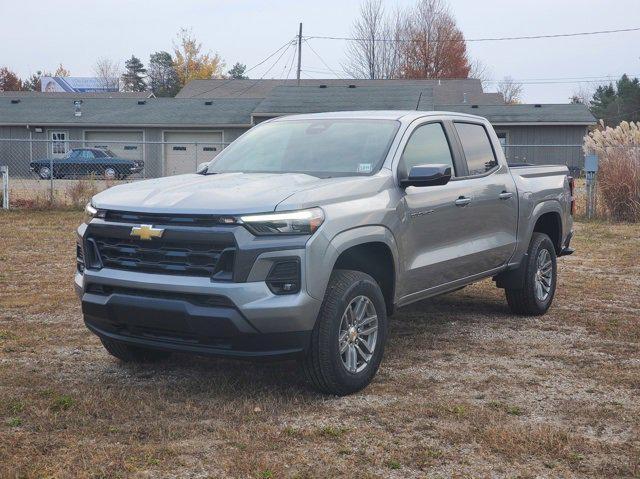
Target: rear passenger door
[492,211]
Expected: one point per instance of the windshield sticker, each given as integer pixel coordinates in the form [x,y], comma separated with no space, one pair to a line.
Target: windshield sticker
[364,167]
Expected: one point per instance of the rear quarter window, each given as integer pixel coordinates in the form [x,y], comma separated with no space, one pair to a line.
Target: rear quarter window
[477,148]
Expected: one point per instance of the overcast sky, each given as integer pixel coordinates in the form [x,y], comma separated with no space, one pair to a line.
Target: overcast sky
[38,35]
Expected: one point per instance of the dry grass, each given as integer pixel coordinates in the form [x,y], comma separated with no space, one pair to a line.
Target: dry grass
[466,389]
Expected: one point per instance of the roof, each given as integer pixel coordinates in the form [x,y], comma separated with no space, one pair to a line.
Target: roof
[127,112]
[559,113]
[77,95]
[285,100]
[261,88]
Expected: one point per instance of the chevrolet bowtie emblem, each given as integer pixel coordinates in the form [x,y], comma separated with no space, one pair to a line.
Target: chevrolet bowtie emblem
[146,232]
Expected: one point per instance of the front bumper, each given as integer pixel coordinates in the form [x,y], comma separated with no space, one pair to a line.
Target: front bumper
[196,315]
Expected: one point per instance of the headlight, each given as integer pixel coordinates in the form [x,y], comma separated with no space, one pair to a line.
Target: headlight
[301,222]
[90,212]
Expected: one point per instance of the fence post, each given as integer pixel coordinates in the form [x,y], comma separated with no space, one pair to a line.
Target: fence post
[196,168]
[51,178]
[4,173]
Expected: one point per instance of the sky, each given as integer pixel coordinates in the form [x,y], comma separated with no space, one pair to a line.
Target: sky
[39,35]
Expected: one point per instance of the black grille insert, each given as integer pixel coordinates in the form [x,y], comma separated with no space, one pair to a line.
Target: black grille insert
[165,256]
[160,219]
[208,300]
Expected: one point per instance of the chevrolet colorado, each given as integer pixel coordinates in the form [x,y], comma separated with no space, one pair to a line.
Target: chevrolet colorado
[302,237]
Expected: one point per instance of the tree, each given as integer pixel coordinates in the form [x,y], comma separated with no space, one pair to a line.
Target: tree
[511,90]
[61,72]
[191,63]
[432,45]
[373,53]
[134,75]
[237,72]
[614,104]
[108,74]
[9,81]
[33,83]
[163,78]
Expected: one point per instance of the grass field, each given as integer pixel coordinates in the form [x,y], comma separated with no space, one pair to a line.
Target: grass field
[465,390]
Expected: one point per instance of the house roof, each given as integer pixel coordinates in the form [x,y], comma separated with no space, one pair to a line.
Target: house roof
[285,100]
[261,88]
[560,113]
[127,112]
[77,95]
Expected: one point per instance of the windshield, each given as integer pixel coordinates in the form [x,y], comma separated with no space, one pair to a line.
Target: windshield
[109,153]
[320,148]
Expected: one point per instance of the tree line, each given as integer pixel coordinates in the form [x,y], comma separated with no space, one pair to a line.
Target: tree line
[165,74]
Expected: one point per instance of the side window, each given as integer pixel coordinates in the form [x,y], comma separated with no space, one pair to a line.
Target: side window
[87,155]
[427,145]
[477,148]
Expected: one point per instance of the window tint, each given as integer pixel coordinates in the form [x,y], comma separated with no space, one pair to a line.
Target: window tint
[477,148]
[428,145]
[87,155]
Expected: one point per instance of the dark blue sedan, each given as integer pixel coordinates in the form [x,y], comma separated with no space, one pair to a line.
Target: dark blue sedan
[86,162]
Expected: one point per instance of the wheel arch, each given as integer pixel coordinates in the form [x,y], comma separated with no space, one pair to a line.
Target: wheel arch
[370,249]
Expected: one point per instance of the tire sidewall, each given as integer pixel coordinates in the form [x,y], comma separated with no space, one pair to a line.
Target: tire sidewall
[542,242]
[44,173]
[368,288]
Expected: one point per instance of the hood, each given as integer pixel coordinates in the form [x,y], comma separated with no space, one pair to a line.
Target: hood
[227,193]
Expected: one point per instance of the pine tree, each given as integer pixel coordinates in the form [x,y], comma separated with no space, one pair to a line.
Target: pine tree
[133,79]
[237,72]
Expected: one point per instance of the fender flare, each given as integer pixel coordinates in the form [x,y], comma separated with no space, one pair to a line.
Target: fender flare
[317,283]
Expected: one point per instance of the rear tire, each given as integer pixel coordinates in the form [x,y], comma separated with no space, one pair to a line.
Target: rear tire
[536,295]
[133,354]
[353,320]
[110,173]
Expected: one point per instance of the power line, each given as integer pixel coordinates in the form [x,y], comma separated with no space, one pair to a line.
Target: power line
[288,43]
[238,93]
[321,59]
[486,39]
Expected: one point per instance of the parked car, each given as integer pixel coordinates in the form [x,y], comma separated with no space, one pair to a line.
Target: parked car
[87,161]
[304,235]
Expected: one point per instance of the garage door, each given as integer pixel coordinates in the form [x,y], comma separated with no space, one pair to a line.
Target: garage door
[125,144]
[180,152]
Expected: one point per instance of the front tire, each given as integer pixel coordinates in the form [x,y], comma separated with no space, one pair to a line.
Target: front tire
[44,173]
[132,354]
[110,173]
[536,295]
[347,343]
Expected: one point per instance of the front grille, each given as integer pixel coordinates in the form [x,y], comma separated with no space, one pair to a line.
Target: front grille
[160,219]
[166,256]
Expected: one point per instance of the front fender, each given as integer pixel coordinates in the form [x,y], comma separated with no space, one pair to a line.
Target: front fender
[320,261]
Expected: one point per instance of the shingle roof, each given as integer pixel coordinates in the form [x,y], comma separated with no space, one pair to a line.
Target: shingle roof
[76,95]
[315,99]
[575,113]
[261,88]
[127,112]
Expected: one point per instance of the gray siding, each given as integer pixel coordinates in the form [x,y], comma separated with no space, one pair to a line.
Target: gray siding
[530,136]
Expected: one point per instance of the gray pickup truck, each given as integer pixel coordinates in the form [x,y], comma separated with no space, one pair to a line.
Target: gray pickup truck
[302,237]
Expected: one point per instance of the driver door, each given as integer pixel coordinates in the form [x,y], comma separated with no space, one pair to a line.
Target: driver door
[436,227]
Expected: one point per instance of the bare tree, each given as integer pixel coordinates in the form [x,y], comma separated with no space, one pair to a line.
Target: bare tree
[480,71]
[373,53]
[511,90]
[584,94]
[108,73]
[433,46]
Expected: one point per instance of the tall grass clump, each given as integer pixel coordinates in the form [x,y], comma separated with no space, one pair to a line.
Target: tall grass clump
[619,168]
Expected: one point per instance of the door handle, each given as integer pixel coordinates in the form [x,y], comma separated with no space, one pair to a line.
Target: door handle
[463,201]
[505,195]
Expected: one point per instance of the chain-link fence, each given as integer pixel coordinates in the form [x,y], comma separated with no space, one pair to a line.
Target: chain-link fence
[60,171]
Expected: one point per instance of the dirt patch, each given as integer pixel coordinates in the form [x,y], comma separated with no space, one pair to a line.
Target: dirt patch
[465,390]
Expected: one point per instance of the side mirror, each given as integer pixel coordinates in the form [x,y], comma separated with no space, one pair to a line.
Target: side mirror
[202,167]
[427,175]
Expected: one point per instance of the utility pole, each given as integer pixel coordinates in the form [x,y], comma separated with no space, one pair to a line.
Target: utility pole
[299,52]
